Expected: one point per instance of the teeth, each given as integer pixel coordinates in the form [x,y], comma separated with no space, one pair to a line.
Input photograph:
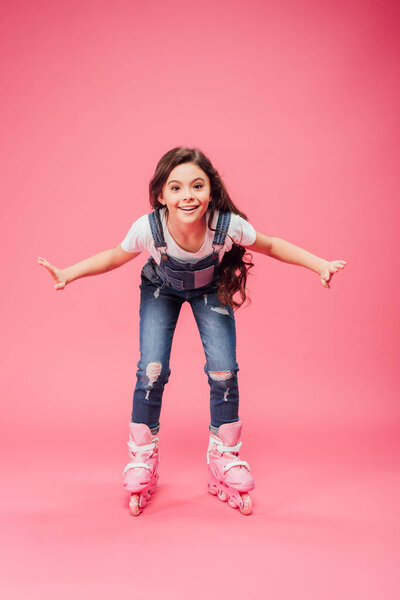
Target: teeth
[188,209]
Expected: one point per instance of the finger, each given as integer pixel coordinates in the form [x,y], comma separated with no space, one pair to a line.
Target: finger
[45,264]
[52,271]
[49,267]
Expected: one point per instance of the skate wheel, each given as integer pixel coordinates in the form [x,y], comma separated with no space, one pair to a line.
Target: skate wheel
[232,502]
[134,506]
[212,489]
[246,506]
[222,495]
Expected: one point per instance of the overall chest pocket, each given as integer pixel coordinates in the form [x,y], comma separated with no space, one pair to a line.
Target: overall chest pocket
[189,280]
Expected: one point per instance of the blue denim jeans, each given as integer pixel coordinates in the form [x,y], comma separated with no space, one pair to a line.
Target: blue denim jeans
[159,310]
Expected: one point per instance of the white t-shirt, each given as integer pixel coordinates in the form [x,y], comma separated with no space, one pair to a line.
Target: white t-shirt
[139,238]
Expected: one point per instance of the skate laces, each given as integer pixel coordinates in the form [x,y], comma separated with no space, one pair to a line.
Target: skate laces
[233,449]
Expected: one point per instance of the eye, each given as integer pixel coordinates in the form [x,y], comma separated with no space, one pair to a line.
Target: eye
[174,187]
[198,185]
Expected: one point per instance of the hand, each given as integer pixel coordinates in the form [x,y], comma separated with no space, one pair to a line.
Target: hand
[330,268]
[57,274]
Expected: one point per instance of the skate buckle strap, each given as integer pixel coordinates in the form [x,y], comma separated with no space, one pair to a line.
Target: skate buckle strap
[221,448]
[236,463]
[136,466]
[134,447]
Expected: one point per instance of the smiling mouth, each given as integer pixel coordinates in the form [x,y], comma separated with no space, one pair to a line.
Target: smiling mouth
[188,208]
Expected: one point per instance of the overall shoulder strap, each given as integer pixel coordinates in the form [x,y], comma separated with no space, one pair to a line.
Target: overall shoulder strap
[156,229]
[224,219]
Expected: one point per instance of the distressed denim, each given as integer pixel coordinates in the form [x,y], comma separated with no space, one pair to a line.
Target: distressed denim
[159,311]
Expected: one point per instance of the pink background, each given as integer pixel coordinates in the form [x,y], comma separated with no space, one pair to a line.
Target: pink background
[296,103]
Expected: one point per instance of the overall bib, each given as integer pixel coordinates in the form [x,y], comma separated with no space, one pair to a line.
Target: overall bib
[164,288]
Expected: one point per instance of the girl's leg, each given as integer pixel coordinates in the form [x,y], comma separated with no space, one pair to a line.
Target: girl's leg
[159,313]
[217,329]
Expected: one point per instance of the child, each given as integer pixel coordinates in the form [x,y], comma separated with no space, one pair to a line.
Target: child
[197,239]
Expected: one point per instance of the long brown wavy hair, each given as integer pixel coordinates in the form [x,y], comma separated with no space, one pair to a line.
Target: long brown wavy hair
[236,263]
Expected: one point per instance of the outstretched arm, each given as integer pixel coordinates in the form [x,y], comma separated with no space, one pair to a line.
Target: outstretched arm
[287,252]
[94,265]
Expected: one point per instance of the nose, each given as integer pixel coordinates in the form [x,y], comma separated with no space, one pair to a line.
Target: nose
[188,197]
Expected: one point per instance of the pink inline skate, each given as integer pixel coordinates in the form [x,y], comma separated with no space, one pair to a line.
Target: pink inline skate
[230,478]
[140,475]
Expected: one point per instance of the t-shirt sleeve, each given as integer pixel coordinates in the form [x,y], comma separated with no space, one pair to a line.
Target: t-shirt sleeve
[138,237]
[241,231]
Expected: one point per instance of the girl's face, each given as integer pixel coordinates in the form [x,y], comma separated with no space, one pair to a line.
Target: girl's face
[186,193]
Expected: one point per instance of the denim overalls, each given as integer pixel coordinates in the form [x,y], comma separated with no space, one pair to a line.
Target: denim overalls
[164,288]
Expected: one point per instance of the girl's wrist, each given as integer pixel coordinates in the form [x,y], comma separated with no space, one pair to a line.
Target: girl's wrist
[67,275]
[320,266]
